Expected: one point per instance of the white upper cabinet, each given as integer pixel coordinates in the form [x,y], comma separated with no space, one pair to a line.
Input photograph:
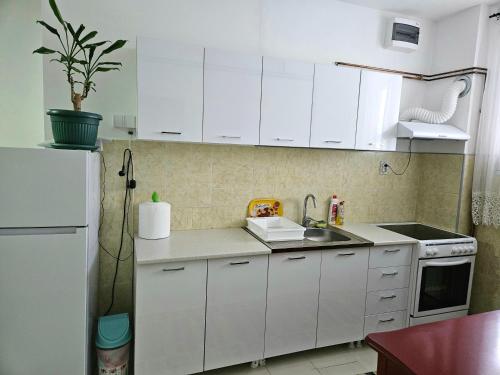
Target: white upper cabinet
[170,91]
[232,92]
[335,106]
[378,111]
[286,103]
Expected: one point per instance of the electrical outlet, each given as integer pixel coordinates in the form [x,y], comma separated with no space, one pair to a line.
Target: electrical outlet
[383,168]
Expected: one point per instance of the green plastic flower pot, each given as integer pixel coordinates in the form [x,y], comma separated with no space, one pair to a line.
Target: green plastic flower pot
[74,127]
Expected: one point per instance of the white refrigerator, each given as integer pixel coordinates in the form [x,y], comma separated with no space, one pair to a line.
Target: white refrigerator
[49,219]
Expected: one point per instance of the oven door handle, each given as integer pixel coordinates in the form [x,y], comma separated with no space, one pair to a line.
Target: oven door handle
[446,264]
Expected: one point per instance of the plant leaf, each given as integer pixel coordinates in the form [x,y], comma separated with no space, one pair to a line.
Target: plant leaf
[109,63]
[79,31]
[56,12]
[105,69]
[53,30]
[91,53]
[77,70]
[114,46]
[44,51]
[75,60]
[75,34]
[97,44]
[88,37]
[70,28]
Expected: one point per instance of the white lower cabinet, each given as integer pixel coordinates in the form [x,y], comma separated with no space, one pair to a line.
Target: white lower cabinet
[170,318]
[342,296]
[236,308]
[292,302]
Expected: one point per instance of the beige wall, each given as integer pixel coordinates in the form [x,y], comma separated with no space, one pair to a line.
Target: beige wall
[21,94]
[209,186]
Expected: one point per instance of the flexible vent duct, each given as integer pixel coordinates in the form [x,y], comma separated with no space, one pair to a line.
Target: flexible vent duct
[458,89]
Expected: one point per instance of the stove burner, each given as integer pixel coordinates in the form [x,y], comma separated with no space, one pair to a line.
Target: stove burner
[421,232]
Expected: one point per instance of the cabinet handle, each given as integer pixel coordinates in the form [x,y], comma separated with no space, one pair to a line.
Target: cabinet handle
[386,320]
[237,263]
[392,250]
[388,297]
[231,136]
[346,254]
[173,133]
[328,141]
[284,139]
[390,273]
[297,258]
[173,269]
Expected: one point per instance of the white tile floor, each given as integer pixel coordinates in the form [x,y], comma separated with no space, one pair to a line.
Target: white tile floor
[334,360]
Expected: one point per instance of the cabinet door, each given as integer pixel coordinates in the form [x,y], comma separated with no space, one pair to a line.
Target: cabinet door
[292,302]
[335,106]
[232,97]
[342,296]
[170,318]
[378,111]
[286,103]
[236,311]
[169,91]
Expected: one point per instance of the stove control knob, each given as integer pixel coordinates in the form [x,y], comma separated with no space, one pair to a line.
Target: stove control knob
[434,252]
[428,252]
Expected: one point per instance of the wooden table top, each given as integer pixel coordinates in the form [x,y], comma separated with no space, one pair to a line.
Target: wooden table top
[462,346]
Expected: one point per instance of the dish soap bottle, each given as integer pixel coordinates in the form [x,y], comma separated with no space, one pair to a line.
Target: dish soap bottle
[332,211]
[340,214]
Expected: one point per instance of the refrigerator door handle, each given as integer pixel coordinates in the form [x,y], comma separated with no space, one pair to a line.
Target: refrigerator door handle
[36,231]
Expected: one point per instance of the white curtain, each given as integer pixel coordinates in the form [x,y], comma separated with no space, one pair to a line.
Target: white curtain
[486,180]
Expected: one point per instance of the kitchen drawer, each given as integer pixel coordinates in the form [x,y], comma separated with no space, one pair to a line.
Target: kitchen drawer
[386,301]
[388,278]
[386,256]
[385,322]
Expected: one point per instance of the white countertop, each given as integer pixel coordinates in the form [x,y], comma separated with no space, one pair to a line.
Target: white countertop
[378,236]
[185,245]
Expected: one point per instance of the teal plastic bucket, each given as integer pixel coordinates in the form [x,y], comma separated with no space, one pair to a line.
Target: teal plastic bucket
[113,344]
[74,127]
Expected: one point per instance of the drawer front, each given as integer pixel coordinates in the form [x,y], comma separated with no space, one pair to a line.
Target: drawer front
[386,256]
[385,322]
[388,278]
[386,301]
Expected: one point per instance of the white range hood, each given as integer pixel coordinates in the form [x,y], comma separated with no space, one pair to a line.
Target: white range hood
[421,130]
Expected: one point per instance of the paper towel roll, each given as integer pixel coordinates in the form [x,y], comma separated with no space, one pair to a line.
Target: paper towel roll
[154,220]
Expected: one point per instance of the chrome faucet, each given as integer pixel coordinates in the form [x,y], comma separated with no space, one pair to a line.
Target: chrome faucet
[306,220]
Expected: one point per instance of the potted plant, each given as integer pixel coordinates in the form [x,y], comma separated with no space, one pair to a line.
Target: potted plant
[81,58]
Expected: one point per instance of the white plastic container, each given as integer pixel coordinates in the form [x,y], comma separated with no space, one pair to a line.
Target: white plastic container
[275,228]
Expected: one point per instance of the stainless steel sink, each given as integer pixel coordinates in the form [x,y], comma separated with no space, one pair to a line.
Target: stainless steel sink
[324,235]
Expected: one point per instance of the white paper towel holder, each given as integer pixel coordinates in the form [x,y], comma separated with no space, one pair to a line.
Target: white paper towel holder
[154,219]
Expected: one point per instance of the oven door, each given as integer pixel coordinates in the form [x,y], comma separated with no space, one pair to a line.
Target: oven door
[443,285]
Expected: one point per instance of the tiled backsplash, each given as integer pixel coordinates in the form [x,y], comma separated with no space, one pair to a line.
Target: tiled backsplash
[209,186]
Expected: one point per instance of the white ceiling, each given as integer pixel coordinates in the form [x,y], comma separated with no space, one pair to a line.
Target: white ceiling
[432,9]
